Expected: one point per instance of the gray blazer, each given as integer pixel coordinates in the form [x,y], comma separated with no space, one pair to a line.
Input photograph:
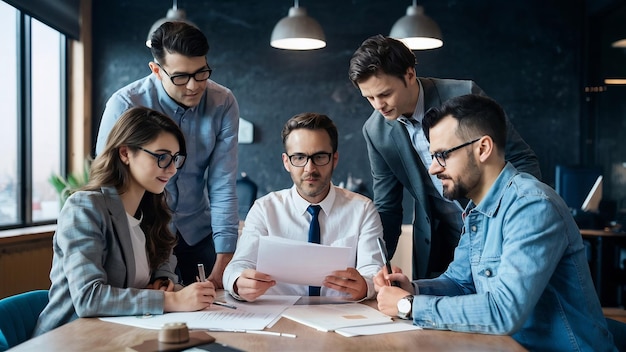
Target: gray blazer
[397,166]
[93,264]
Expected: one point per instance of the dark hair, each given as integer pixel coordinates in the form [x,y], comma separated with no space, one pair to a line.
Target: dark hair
[136,127]
[380,53]
[477,116]
[178,37]
[311,121]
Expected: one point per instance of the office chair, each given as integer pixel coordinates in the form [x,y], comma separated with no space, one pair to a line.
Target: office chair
[246,194]
[19,315]
[618,330]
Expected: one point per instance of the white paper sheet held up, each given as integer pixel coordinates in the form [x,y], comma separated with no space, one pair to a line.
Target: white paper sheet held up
[298,262]
[248,315]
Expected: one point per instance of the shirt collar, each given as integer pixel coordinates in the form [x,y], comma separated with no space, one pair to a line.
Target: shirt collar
[302,204]
[491,202]
[170,106]
[418,113]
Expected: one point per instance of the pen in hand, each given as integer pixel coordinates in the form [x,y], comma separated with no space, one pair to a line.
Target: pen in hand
[202,278]
[201,274]
[383,253]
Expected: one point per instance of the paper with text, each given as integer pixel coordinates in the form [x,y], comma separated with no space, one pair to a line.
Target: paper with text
[298,262]
[248,315]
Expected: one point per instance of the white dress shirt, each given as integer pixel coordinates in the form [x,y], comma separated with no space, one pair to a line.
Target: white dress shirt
[347,219]
[138,239]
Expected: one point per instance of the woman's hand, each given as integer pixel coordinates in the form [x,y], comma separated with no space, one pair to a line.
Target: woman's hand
[196,296]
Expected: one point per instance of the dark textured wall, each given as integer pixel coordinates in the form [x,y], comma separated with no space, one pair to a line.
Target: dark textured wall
[525,54]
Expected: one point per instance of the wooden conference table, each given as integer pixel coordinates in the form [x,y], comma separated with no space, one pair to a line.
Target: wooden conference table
[92,334]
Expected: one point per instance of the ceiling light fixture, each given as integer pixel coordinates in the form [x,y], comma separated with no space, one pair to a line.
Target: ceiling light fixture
[174,14]
[619,44]
[298,31]
[416,30]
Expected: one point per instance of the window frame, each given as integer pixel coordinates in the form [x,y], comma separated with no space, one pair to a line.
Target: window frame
[24,196]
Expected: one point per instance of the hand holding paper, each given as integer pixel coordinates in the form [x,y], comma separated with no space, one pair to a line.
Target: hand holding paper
[251,284]
[348,281]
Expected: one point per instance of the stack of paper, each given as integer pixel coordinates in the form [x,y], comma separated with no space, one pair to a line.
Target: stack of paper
[347,319]
[247,316]
[330,317]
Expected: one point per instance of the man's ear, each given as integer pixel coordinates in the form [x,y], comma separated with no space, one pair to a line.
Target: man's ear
[409,75]
[486,148]
[155,69]
[286,162]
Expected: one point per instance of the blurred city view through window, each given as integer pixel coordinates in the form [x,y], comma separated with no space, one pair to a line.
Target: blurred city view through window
[31,100]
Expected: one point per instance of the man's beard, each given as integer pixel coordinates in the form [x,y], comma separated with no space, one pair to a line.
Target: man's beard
[461,188]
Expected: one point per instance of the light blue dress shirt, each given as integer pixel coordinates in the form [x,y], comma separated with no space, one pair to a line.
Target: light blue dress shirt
[211,131]
[520,269]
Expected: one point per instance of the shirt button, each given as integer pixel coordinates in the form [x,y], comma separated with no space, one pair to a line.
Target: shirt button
[474,228]
[488,273]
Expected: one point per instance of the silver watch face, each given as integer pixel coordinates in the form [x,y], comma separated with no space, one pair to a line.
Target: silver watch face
[404,306]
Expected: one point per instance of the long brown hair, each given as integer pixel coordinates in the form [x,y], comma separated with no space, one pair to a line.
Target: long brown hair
[136,127]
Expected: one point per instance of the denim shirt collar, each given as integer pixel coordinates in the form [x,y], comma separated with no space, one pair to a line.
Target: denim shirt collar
[491,202]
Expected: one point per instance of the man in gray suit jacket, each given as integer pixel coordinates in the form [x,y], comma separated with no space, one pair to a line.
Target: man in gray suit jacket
[383,69]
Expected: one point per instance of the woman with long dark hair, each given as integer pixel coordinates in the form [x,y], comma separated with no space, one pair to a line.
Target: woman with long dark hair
[113,245]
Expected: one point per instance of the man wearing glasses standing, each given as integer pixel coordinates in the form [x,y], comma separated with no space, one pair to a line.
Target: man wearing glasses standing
[344,219]
[202,195]
[383,69]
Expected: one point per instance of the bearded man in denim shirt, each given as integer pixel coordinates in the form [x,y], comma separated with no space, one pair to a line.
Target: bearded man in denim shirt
[520,267]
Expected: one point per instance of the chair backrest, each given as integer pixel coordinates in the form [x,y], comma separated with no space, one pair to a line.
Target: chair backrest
[246,194]
[19,315]
[618,330]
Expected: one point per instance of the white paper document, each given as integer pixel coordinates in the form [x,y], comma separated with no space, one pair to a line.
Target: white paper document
[298,262]
[396,326]
[248,316]
[330,317]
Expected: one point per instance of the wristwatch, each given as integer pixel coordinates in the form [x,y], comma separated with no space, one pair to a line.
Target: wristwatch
[405,307]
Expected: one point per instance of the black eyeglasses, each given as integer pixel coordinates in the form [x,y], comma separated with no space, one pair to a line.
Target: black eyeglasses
[164,160]
[442,156]
[183,78]
[300,160]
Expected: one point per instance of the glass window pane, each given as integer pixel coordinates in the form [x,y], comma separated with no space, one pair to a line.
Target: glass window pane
[8,101]
[46,118]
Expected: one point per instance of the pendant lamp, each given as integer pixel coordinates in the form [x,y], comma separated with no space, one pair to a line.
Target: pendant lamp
[298,31]
[416,30]
[619,44]
[173,14]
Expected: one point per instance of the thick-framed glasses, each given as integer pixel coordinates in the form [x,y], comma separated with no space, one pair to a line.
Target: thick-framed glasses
[442,156]
[183,78]
[319,159]
[164,160]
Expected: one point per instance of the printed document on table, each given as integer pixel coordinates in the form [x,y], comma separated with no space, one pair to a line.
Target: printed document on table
[248,316]
[298,262]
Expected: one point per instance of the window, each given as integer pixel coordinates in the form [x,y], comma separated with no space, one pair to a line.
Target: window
[34,118]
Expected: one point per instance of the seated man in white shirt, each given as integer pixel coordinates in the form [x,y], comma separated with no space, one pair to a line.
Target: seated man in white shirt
[346,218]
